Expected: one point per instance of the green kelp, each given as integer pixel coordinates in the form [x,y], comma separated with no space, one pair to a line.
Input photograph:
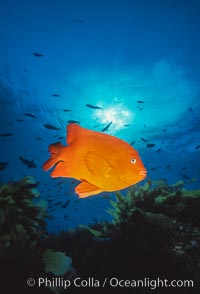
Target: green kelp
[159,197]
[22,235]
[22,226]
[155,232]
[21,219]
[173,208]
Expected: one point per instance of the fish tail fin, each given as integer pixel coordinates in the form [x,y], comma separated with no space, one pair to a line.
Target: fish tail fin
[54,149]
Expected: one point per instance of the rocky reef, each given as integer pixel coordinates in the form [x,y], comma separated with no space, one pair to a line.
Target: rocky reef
[21,219]
[155,232]
[22,231]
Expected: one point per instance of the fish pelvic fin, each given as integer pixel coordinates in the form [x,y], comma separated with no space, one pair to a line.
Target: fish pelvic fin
[85,189]
[54,149]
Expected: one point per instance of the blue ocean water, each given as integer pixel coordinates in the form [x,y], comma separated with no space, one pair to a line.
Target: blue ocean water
[58,56]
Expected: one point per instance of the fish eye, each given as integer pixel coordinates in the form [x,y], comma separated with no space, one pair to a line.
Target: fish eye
[133,160]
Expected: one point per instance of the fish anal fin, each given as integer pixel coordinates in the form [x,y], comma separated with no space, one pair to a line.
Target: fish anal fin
[54,149]
[60,170]
[85,189]
[96,164]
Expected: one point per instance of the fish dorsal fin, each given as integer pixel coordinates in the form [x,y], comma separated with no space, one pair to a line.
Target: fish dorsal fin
[74,131]
[85,189]
[96,164]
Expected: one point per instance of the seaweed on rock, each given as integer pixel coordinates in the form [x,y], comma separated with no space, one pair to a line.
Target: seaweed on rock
[21,219]
[22,227]
[173,201]
[155,232]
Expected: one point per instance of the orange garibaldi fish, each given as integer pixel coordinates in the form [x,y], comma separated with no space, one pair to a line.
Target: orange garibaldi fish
[100,161]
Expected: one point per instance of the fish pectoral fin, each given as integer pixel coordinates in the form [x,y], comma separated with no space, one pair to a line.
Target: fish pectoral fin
[96,164]
[85,189]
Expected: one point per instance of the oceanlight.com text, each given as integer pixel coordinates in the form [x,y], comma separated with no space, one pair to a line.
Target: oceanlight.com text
[113,282]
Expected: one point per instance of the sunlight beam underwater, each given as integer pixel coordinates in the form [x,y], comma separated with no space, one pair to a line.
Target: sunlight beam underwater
[116,114]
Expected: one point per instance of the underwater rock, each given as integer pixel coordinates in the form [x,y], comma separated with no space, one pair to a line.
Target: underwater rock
[5,241]
[19,235]
[22,229]
[2,217]
[155,229]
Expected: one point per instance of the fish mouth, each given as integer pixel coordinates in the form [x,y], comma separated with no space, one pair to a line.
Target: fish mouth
[143,173]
